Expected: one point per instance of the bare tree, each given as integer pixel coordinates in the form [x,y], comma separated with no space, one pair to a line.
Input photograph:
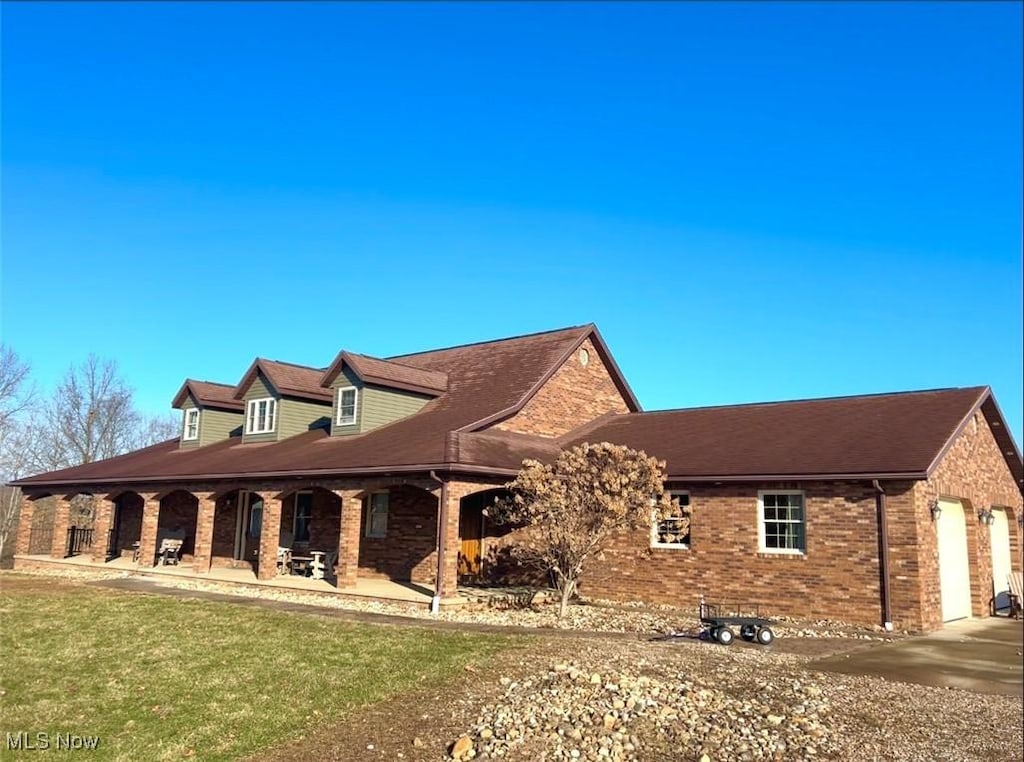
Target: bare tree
[16,396]
[571,508]
[16,393]
[90,417]
[157,428]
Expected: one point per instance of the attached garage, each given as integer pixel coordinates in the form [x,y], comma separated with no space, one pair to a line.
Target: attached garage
[1002,564]
[954,569]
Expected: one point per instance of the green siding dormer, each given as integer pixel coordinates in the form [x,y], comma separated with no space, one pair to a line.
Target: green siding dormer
[375,405]
[291,415]
[215,425]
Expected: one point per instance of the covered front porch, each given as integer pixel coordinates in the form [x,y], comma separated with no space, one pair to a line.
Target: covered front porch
[386,539]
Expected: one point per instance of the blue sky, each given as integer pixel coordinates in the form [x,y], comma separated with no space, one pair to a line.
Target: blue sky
[753,202]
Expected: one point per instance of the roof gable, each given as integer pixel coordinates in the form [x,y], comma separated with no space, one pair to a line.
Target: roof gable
[207,394]
[288,379]
[372,370]
[584,332]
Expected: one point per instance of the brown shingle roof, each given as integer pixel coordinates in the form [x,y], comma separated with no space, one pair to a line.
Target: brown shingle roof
[868,436]
[287,378]
[483,379]
[874,435]
[208,394]
[373,370]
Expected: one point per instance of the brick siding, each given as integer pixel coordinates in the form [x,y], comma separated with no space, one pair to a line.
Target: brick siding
[408,551]
[975,472]
[573,396]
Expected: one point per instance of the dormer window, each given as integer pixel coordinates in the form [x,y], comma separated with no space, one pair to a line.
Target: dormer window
[260,415]
[191,431]
[348,400]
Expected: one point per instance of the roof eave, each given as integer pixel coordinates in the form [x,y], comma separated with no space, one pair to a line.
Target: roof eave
[441,466]
[769,477]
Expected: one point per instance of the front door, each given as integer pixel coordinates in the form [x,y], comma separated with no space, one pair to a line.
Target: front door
[471,532]
[249,526]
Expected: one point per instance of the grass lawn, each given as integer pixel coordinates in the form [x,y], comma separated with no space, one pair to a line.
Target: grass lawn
[162,678]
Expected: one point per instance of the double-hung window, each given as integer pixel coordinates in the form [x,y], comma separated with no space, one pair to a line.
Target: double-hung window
[191,431]
[260,415]
[782,522]
[673,531]
[303,516]
[377,515]
[348,402]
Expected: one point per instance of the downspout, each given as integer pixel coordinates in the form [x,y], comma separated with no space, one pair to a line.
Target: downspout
[883,559]
[442,525]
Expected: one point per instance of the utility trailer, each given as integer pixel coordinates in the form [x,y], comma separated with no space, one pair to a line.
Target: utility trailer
[718,619]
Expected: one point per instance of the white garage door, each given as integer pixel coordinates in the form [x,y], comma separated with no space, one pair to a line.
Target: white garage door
[999,533]
[954,572]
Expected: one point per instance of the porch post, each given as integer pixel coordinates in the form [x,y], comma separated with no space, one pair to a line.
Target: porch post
[348,536]
[150,522]
[447,577]
[203,553]
[61,521]
[101,528]
[25,515]
[270,537]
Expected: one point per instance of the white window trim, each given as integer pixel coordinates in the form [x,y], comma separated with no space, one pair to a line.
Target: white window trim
[355,406]
[184,434]
[654,527]
[760,523]
[369,516]
[295,515]
[272,415]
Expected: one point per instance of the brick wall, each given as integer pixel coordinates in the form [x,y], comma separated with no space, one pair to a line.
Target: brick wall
[574,395]
[128,519]
[408,551]
[975,472]
[224,525]
[838,577]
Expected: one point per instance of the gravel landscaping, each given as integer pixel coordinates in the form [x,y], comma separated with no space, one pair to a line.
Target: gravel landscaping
[586,616]
[640,702]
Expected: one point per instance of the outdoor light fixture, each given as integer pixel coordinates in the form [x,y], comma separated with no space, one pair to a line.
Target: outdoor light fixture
[936,510]
[985,517]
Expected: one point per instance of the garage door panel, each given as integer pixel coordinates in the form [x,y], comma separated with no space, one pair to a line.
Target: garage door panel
[999,535]
[954,567]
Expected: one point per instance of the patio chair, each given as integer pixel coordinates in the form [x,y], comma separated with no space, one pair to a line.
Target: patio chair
[169,546]
[1016,584]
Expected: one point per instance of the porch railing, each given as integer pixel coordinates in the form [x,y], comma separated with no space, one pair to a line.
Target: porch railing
[40,540]
[79,540]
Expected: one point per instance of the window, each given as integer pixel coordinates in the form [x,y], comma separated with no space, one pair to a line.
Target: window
[673,532]
[782,523]
[303,516]
[191,424]
[347,401]
[260,415]
[377,515]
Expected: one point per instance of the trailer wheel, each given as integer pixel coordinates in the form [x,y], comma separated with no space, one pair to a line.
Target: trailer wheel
[748,632]
[725,636]
[765,636]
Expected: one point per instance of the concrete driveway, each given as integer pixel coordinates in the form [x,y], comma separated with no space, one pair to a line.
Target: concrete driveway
[981,655]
